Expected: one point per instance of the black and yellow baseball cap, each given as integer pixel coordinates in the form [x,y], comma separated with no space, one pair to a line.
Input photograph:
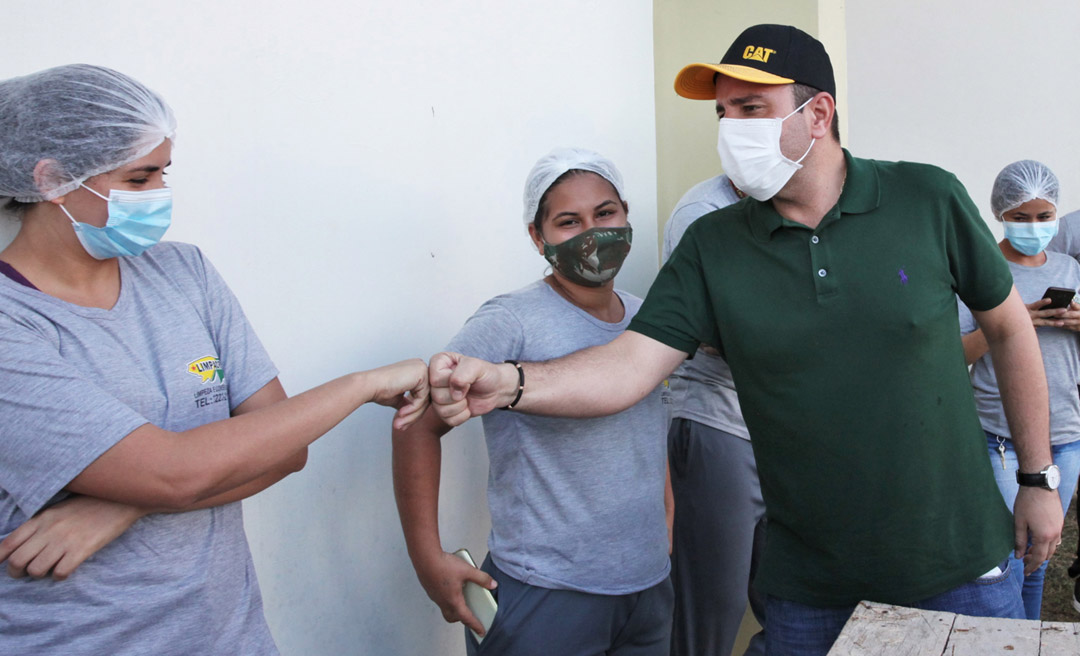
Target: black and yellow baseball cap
[765,54]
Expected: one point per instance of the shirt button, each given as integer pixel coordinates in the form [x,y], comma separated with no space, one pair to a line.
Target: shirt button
[814,239]
[822,273]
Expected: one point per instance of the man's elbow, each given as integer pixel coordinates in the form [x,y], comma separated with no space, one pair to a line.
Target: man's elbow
[1007,322]
[1006,335]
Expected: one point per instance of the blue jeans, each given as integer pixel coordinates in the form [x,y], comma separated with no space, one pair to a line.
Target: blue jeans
[796,629]
[1067,458]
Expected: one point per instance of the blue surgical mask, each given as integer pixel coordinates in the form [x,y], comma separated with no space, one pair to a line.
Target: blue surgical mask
[1030,238]
[137,221]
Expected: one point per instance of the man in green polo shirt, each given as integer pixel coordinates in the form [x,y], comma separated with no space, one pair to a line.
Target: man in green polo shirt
[831,293]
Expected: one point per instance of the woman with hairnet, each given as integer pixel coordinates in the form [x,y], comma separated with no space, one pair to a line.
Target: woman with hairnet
[578,544]
[139,407]
[1024,198]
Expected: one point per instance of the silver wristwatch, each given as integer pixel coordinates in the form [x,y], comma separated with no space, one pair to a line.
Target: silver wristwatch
[1048,478]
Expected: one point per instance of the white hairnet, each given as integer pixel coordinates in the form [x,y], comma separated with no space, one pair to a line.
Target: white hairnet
[86,119]
[549,167]
[1020,182]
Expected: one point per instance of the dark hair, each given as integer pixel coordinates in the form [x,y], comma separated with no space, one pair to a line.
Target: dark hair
[541,207]
[804,92]
[15,208]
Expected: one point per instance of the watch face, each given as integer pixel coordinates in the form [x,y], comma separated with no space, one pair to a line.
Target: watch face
[1053,477]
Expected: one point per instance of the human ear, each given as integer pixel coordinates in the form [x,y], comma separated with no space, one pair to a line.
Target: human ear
[48,176]
[537,240]
[821,110]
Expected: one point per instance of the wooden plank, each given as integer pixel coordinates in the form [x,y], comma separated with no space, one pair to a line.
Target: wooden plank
[885,630]
[980,636]
[1060,638]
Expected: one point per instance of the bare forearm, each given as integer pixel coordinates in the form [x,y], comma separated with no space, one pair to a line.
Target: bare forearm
[271,393]
[593,382]
[250,489]
[78,527]
[975,346]
[1022,383]
[1014,349]
[597,381]
[417,462]
[252,444]
[236,494]
[158,469]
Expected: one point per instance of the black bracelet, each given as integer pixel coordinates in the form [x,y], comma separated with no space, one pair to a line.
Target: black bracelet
[521,383]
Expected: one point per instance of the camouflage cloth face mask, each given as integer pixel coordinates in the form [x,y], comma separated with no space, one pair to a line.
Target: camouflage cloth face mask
[591,258]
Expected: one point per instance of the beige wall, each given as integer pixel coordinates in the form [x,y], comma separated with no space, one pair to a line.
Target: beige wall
[688,31]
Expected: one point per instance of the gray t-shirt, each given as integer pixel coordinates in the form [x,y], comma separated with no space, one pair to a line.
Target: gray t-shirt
[1060,353]
[701,388]
[1067,239]
[175,351]
[576,504]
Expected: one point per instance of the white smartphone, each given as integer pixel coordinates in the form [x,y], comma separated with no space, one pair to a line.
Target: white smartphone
[478,599]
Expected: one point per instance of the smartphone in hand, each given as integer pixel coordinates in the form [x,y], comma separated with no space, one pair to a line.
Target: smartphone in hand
[478,598]
[1060,297]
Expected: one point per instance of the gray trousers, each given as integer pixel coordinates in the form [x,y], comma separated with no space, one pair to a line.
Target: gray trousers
[535,621]
[718,537]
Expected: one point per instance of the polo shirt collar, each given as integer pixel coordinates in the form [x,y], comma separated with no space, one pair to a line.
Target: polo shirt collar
[861,194]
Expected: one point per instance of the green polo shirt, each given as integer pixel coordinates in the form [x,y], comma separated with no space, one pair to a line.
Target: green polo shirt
[845,349]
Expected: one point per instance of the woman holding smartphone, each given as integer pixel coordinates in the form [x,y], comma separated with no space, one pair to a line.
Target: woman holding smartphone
[1024,198]
[579,543]
[139,407]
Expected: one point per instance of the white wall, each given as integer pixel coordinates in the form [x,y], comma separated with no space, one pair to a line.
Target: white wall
[969,85]
[355,169]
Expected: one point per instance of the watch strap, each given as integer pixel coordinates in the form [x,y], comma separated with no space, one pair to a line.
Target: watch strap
[1038,479]
[1049,478]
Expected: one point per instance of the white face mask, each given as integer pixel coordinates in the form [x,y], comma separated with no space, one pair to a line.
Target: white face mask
[750,154]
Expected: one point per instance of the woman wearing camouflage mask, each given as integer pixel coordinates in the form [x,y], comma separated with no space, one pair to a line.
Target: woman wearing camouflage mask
[578,547]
